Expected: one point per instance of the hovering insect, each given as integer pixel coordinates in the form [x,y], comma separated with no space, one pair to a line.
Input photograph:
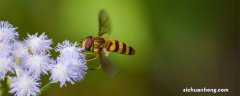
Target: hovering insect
[103,46]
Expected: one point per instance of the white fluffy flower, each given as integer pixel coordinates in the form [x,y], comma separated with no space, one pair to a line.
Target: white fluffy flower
[7,32]
[37,64]
[38,44]
[18,69]
[63,73]
[24,85]
[78,63]
[71,64]
[68,49]
[6,65]
[5,48]
[20,49]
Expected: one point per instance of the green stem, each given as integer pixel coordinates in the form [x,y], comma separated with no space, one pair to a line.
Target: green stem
[45,87]
[1,88]
[5,88]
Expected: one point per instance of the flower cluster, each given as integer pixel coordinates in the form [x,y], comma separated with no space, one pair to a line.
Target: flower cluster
[24,85]
[24,62]
[7,39]
[71,64]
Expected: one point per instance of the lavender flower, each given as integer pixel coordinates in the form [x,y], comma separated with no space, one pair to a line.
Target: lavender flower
[7,37]
[24,85]
[78,63]
[20,50]
[63,73]
[31,58]
[38,44]
[7,32]
[6,63]
[37,64]
[68,49]
[5,48]
[18,69]
[71,64]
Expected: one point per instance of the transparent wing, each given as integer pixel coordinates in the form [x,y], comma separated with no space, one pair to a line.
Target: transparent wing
[107,65]
[104,23]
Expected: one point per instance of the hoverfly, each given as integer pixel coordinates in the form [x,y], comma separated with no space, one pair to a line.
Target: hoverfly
[103,46]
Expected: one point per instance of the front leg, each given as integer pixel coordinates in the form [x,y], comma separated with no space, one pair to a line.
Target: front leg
[87,52]
[92,58]
[96,68]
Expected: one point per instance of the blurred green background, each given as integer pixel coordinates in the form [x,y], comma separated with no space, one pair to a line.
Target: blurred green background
[178,43]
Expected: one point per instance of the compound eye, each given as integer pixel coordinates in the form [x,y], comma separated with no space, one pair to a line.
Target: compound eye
[88,44]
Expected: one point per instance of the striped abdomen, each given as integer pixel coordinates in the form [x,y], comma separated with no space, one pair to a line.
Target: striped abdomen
[119,47]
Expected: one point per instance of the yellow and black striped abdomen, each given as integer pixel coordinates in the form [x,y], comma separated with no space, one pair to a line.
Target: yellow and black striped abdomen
[119,47]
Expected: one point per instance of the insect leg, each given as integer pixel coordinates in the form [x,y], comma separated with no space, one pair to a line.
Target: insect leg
[92,58]
[96,68]
[87,52]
